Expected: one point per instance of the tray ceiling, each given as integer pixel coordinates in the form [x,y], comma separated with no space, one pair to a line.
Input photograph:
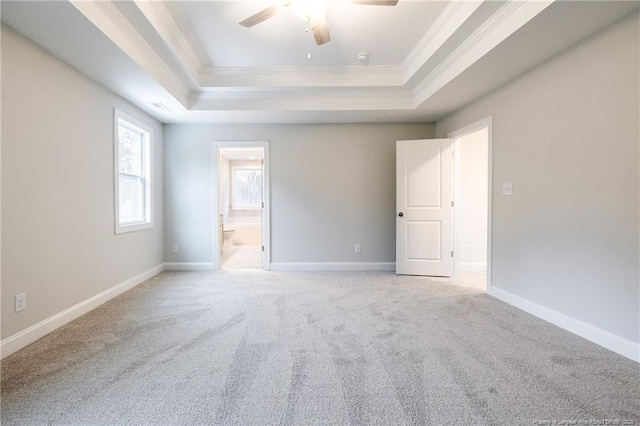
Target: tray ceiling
[190,61]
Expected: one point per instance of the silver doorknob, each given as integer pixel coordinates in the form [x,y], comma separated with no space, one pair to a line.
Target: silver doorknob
[400,214]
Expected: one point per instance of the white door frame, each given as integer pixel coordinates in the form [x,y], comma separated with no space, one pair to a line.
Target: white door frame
[266,211]
[488,123]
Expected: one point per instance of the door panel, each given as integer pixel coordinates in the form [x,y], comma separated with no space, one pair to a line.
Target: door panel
[424,194]
[424,240]
[423,177]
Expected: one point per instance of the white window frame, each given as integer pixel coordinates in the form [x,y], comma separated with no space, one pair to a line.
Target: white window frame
[147,132]
[234,205]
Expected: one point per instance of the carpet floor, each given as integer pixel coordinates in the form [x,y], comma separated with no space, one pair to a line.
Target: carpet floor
[250,347]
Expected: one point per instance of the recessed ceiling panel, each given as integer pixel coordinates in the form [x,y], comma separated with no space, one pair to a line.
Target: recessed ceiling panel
[387,33]
[159,52]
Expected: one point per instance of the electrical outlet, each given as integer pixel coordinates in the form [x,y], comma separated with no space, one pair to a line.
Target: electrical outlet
[358,248]
[469,248]
[176,249]
[21,302]
[507,189]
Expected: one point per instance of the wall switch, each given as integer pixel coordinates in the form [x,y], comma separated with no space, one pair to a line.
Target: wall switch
[358,248]
[176,249]
[507,189]
[21,302]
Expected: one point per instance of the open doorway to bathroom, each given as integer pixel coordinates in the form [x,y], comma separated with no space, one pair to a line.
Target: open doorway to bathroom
[472,204]
[241,201]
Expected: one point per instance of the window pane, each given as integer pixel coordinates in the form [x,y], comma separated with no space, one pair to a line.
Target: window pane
[130,150]
[131,200]
[133,144]
[248,188]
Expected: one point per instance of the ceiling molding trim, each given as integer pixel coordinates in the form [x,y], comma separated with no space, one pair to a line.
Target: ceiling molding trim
[507,20]
[161,20]
[249,94]
[450,20]
[115,26]
[296,102]
[351,69]
[358,76]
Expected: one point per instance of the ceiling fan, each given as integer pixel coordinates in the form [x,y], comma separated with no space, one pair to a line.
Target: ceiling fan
[312,11]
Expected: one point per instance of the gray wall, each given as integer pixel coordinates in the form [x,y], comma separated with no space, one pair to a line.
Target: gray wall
[57,188]
[566,134]
[332,186]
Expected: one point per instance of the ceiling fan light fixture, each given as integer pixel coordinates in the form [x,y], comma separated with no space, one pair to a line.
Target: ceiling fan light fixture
[311,11]
[308,9]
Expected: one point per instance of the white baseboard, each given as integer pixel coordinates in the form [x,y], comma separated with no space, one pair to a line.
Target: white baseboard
[473,266]
[613,342]
[333,266]
[189,266]
[29,335]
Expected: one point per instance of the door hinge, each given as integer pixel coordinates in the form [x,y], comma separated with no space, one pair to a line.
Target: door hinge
[262,162]
[263,205]
[263,249]
[451,253]
[452,204]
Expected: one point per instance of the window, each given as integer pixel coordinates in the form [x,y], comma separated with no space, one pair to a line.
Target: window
[247,188]
[133,200]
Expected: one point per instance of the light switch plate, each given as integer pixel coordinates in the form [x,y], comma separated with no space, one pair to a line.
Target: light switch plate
[507,189]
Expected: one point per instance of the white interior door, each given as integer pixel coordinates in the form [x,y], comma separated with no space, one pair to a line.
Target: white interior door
[424,211]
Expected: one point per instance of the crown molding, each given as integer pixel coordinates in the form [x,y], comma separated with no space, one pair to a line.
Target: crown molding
[348,76]
[160,18]
[450,20]
[284,100]
[113,24]
[349,69]
[507,20]
[252,93]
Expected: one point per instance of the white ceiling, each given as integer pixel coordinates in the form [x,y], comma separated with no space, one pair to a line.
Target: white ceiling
[213,31]
[427,58]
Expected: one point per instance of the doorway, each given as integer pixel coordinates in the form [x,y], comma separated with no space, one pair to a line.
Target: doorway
[424,203]
[241,200]
[472,204]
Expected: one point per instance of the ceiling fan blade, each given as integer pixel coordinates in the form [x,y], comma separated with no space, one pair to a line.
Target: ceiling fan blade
[376,2]
[320,29]
[263,15]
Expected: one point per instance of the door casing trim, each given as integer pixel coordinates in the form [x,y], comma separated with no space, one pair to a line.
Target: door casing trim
[266,211]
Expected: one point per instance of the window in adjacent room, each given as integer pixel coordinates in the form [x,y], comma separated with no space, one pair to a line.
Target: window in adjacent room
[133,198]
[247,188]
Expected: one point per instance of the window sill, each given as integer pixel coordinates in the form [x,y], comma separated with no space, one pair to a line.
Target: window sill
[123,229]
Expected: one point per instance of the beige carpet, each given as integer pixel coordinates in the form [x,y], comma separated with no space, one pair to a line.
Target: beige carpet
[241,257]
[250,347]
